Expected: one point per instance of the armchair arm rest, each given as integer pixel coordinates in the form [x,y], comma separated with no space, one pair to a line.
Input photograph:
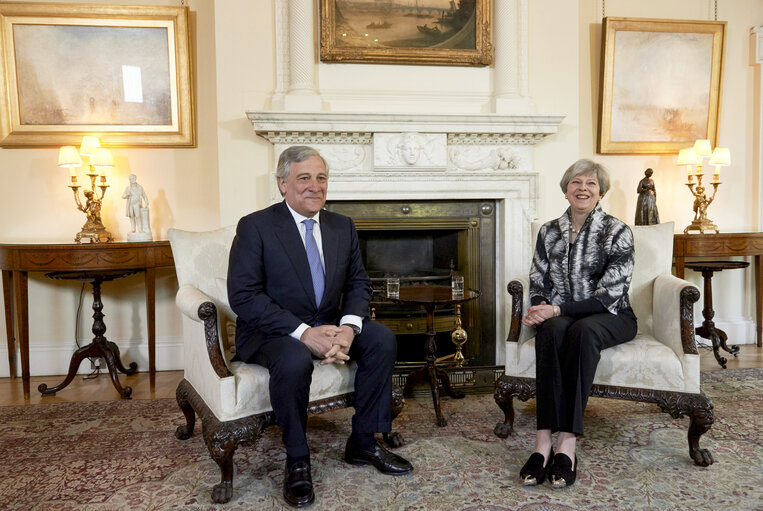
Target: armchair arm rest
[189,299]
[199,307]
[673,313]
[519,289]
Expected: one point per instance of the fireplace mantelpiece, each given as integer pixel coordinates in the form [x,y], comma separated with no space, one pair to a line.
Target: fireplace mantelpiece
[375,156]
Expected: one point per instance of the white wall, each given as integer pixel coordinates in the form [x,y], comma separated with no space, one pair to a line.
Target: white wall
[245,81]
[226,176]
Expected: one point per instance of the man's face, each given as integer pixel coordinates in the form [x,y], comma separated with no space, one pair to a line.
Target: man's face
[305,189]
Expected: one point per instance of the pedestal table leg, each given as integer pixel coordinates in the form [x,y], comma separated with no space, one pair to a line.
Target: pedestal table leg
[100,347]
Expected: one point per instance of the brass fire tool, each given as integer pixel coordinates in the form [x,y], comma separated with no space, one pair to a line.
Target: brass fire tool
[458,337]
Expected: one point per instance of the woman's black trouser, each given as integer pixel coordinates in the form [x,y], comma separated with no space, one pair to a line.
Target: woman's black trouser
[567,351]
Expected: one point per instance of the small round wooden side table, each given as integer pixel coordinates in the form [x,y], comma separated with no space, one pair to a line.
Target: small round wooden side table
[100,347]
[430,297]
[708,329]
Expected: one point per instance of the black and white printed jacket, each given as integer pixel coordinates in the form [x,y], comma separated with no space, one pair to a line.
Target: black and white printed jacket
[589,276]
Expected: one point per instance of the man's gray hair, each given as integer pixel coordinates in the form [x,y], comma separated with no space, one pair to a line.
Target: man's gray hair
[586,166]
[296,154]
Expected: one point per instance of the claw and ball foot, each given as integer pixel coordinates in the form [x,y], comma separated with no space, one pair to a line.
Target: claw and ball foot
[701,457]
[502,430]
[222,492]
[394,439]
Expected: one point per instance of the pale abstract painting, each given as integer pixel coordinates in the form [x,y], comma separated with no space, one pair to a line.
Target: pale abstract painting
[661,86]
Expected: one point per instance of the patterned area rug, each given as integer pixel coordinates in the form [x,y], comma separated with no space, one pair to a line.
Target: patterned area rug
[123,455]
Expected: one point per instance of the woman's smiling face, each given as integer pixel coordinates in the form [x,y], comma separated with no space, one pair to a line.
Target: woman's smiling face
[583,192]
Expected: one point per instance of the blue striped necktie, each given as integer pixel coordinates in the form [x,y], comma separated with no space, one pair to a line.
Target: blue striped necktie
[314,259]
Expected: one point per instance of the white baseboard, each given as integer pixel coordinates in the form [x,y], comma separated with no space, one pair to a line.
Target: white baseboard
[51,358]
[739,330]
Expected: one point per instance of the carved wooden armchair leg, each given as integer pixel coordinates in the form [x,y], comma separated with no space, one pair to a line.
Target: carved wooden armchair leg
[505,401]
[181,395]
[702,419]
[221,443]
[699,409]
[506,389]
[222,439]
[393,438]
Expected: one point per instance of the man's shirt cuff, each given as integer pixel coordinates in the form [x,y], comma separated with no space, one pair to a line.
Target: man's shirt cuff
[297,334]
[352,320]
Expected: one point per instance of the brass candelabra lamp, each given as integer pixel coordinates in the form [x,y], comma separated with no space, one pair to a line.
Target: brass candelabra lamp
[99,159]
[694,156]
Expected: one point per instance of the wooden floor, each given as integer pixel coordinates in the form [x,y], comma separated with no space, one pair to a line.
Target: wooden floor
[101,389]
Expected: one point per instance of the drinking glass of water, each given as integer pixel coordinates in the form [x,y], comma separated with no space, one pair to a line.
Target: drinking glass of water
[457,286]
[393,287]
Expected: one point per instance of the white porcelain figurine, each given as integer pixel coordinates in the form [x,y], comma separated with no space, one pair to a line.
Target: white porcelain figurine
[136,208]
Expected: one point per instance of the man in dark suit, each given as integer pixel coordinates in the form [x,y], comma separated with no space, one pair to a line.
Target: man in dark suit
[298,286]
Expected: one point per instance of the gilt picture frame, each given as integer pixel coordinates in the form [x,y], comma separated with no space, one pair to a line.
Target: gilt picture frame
[660,85]
[122,73]
[422,32]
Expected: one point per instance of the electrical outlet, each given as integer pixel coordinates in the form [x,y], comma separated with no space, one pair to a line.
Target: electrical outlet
[96,364]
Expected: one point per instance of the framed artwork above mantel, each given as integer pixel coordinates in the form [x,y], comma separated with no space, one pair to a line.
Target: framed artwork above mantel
[660,84]
[423,32]
[122,73]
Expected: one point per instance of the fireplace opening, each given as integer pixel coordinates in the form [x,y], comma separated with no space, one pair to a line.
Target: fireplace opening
[409,253]
[416,257]
[425,242]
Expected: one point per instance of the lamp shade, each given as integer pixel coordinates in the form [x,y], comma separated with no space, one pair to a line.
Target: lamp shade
[687,157]
[102,158]
[702,148]
[90,144]
[721,157]
[68,157]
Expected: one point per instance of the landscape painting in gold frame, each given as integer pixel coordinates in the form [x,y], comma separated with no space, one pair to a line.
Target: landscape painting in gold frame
[122,73]
[660,84]
[424,32]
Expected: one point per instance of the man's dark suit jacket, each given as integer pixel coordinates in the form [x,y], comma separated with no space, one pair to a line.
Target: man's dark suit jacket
[269,283]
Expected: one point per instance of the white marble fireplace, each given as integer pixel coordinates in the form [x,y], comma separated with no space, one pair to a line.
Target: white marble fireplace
[418,157]
[375,126]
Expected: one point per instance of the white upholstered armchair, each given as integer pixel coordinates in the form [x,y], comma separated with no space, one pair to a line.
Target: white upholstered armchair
[232,398]
[661,365]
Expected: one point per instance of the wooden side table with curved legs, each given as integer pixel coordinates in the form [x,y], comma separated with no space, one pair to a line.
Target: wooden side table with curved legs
[100,347]
[17,260]
[430,297]
[708,330]
[748,244]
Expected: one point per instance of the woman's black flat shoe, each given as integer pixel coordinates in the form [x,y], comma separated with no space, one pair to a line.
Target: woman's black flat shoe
[533,472]
[561,473]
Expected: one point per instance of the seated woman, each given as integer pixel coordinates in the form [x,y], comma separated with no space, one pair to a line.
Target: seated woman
[579,282]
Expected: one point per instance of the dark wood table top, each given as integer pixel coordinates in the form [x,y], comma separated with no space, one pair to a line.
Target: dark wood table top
[716,265]
[432,295]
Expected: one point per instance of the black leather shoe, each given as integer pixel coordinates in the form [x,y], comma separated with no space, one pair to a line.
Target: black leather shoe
[384,461]
[298,485]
